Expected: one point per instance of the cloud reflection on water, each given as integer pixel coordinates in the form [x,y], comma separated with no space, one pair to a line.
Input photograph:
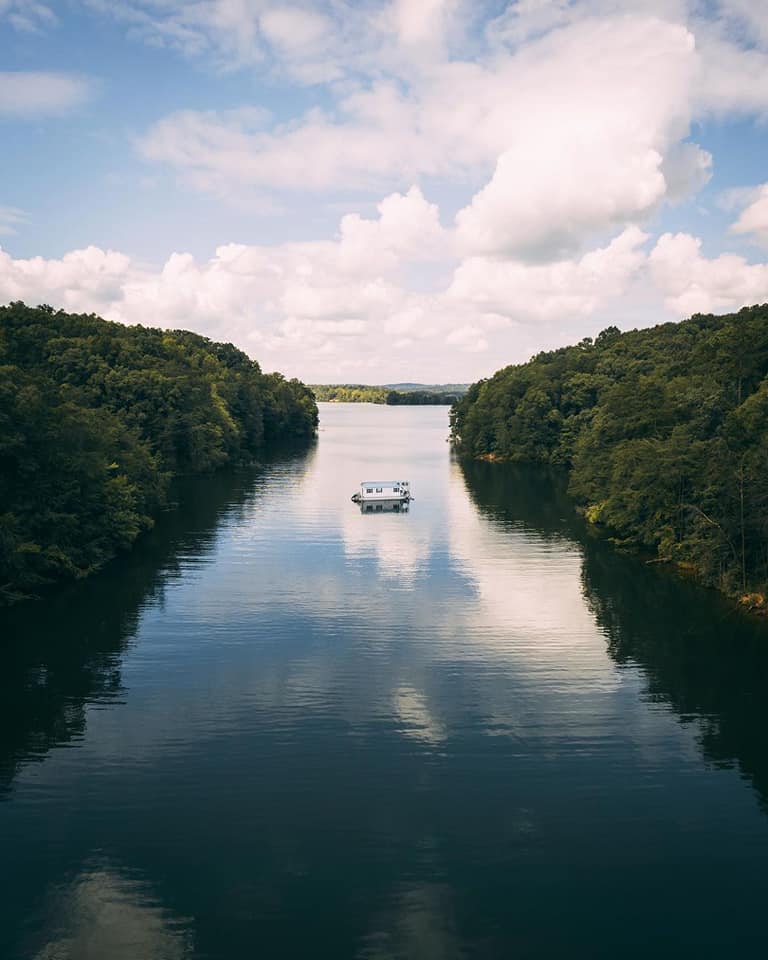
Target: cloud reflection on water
[102,914]
[323,700]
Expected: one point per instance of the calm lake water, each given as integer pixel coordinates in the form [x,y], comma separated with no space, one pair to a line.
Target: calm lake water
[282,728]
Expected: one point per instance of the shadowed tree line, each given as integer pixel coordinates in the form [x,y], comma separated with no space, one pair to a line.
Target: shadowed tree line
[96,419]
[63,654]
[664,434]
[420,398]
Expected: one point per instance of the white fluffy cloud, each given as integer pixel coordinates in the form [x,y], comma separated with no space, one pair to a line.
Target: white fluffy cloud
[732,79]
[566,289]
[753,220]
[586,129]
[588,148]
[372,147]
[301,298]
[82,280]
[341,308]
[408,227]
[468,337]
[301,38]
[291,28]
[316,41]
[284,303]
[692,283]
[426,122]
[30,93]
[423,27]
[557,131]
[524,19]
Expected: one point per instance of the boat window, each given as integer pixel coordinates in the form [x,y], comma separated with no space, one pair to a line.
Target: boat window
[396,489]
[379,489]
[369,489]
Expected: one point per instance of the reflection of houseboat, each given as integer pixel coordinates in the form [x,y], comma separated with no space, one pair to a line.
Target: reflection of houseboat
[383,506]
[378,490]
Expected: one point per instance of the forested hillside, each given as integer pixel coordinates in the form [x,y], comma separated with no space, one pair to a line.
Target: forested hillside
[421,398]
[95,420]
[664,432]
[348,393]
[409,395]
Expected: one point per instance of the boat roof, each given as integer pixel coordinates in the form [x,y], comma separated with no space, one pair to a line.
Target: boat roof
[381,483]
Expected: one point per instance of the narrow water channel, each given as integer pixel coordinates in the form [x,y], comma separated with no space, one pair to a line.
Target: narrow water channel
[285,728]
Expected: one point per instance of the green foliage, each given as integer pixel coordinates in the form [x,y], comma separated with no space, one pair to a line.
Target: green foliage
[454,389]
[420,398]
[349,393]
[664,432]
[95,418]
[361,393]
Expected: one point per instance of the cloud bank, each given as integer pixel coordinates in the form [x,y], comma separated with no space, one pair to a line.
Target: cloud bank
[556,134]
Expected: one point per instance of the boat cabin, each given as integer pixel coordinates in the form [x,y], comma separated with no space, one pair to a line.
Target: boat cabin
[384,490]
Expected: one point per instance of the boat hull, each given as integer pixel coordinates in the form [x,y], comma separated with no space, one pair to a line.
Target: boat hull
[373,507]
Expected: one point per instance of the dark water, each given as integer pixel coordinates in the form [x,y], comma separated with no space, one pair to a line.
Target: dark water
[282,728]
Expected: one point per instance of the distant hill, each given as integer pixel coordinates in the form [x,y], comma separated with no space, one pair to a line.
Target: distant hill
[428,387]
[393,394]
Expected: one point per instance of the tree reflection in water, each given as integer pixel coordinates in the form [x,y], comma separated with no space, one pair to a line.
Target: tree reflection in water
[700,655]
[61,654]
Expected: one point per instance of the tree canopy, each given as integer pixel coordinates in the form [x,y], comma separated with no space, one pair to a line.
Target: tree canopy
[664,432]
[406,395]
[95,420]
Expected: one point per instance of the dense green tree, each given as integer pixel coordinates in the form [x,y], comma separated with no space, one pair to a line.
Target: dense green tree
[361,393]
[349,393]
[419,398]
[664,433]
[95,419]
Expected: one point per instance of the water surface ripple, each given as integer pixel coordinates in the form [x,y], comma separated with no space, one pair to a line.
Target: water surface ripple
[284,728]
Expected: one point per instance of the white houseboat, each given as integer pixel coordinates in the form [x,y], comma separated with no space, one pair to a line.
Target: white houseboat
[372,490]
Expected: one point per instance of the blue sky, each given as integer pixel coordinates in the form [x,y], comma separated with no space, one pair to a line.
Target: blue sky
[388,189]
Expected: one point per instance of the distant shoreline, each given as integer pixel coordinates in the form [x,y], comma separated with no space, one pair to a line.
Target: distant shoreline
[406,394]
